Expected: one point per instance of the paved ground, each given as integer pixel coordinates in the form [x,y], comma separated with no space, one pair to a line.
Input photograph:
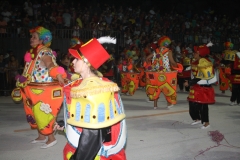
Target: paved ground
[152,134]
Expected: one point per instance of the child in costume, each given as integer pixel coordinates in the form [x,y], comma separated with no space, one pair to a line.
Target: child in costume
[94,113]
[38,87]
[161,74]
[201,92]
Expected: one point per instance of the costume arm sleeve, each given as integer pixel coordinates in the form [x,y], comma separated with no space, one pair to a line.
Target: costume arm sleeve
[89,144]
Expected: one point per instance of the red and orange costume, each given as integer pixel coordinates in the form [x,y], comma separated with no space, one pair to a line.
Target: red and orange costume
[42,95]
[225,70]
[160,76]
[129,77]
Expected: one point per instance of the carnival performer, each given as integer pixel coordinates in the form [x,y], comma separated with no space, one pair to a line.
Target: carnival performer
[129,77]
[161,74]
[232,60]
[94,114]
[142,75]
[107,69]
[75,43]
[201,92]
[224,69]
[185,74]
[40,86]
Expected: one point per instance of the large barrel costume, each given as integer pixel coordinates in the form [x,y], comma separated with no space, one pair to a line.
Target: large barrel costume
[129,78]
[165,82]
[129,82]
[42,96]
[160,76]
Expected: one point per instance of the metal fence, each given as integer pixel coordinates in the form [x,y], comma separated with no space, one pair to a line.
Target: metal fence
[17,40]
[61,36]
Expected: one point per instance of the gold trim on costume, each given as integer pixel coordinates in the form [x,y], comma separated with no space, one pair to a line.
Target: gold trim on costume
[92,86]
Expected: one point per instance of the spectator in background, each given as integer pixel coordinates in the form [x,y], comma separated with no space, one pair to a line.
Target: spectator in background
[66,19]
[6,14]
[29,10]
[36,7]
[178,51]
[59,21]
[3,26]
[26,21]
[12,67]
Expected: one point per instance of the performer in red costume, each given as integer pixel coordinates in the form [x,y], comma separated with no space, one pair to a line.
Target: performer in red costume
[94,113]
[38,87]
[224,69]
[161,73]
[232,60]
[185,74]
[201,92]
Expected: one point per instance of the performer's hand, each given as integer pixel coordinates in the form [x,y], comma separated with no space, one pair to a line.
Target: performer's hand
[185,83]
[60,80]
[57,127]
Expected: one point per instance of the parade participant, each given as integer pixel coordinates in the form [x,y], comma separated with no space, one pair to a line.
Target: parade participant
[107,68]
[161,75]
[38,87]
[142,76]
[201,92]
[75,43]
[65,63]
[94,114]
[185,74]
[129,77]
[224,69]
[232,60]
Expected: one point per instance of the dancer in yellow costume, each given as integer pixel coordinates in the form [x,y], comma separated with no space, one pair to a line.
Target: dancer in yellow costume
[94,113]
[161,75]
[201,92]
[39,86]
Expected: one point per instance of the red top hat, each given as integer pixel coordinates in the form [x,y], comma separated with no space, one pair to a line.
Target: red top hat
[92,51]
[203,50]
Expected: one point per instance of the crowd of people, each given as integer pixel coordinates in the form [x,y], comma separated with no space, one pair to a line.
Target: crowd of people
[139,26]
[134,22]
